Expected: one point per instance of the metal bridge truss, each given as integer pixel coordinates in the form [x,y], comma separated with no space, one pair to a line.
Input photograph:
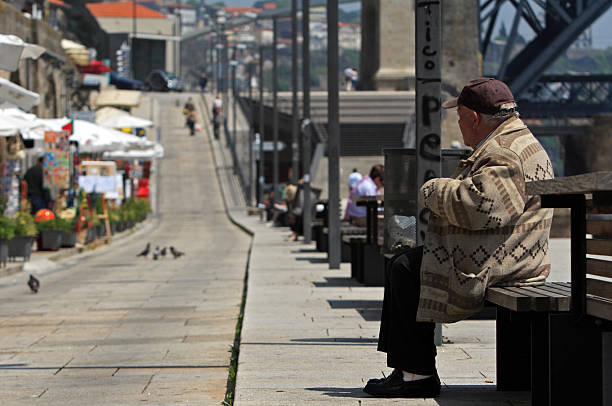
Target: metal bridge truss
[567,96]
[556,24]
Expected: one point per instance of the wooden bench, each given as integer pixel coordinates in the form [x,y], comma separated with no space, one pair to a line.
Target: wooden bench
[346,229]
[549,337]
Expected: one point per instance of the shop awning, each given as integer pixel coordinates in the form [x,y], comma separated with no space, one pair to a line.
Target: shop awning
[11,94]
[118,98]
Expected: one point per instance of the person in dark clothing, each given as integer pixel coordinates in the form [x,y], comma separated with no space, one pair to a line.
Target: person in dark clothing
[203,82]
[34,179]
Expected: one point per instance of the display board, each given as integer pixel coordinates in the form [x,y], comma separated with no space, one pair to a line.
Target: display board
[57,160]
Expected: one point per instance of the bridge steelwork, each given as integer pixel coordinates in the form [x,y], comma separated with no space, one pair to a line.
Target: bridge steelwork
[556,25]
[567,96]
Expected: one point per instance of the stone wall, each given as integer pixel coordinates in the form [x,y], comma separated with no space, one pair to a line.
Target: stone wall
[49,75]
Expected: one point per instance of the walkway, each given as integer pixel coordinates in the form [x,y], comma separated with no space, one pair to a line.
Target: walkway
[109,328]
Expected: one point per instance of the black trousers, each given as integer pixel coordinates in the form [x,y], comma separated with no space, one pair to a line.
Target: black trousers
[409,344]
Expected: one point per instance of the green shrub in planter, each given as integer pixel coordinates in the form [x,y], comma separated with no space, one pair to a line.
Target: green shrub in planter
[7,232]
[56,224]
[7,228]
[25,231]
[25,225]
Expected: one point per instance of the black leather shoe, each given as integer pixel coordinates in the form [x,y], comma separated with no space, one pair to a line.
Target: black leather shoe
[379,380]
[395,387]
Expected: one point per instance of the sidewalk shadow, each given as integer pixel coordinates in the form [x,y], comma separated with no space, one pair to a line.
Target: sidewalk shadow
[343,340]
[312,260]
[335,282]
[449,395]
[341,392]
[304,251]
[369,310]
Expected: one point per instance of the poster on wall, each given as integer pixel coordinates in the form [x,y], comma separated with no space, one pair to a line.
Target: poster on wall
[57,160]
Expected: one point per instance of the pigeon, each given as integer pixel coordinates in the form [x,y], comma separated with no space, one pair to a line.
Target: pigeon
[176,253]
[163,252]
[34,284]
[156,253]
[145,252]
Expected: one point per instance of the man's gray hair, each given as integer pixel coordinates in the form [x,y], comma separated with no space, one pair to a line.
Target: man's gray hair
[506,111]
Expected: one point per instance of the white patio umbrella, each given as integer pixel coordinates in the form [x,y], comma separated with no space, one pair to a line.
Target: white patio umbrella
[157,151]
[14,120]
[95,138]
[13,48]
[125,121]
[15,95]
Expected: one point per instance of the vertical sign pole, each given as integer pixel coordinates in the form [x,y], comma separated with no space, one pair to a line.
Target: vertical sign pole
[275,110]
[307,212]
[428,58]
[261,180]
[295,151]
[333,140]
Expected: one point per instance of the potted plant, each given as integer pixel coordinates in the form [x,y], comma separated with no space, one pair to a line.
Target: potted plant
[25,232]
[7,232]
[50,234]
[68,226]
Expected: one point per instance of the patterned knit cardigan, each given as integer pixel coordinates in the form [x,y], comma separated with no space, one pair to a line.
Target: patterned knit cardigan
[483,230]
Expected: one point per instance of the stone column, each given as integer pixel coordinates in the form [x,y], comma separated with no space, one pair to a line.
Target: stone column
[396,45]
[460,56]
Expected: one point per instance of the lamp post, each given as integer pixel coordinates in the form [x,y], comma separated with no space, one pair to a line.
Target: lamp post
[233,64]
[295,151]
[250,136]
[260,165]
[333,139]
[306,143]
[275,108]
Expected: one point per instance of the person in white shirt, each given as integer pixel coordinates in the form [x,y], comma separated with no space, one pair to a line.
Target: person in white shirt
[368,186]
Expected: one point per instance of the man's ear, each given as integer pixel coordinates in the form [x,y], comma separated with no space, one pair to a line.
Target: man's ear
[477,119]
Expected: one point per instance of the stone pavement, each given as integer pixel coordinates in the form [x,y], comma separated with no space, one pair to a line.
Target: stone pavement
[309,333]
[109,328]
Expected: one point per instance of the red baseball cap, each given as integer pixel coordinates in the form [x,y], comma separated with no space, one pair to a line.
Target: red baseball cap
[483,95]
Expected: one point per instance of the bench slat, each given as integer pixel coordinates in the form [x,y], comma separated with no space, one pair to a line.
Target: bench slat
[599,247]
[531,298]
[599,227]
[599,267]
[540,291]
[599,288]
[538,301]
[507,299]
[599,308]
[555,289]
[563,285]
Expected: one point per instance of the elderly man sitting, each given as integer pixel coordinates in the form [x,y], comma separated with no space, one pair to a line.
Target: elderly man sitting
[483,230]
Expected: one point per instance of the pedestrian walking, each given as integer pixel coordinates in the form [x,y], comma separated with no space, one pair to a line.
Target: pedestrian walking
[203,82]
[217,112]
[348,79]
[189,113]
